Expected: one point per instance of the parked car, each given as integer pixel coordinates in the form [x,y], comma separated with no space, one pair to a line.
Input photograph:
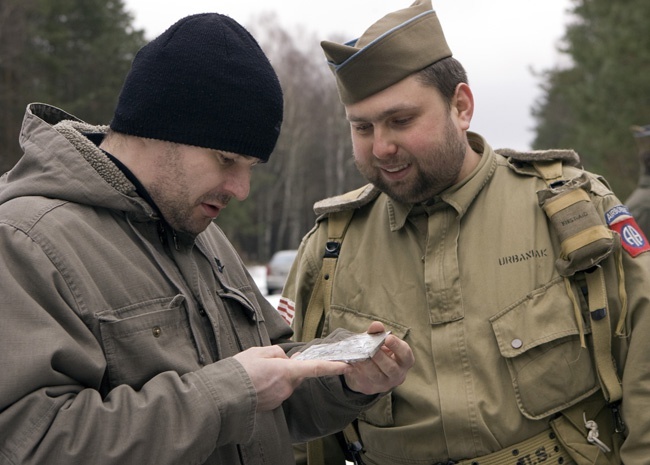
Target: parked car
[278,269]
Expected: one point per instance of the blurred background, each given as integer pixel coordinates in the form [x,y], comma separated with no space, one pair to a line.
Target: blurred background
[545,74]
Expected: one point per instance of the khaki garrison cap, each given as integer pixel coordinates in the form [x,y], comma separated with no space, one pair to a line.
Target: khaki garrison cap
[642,136]
[393,48]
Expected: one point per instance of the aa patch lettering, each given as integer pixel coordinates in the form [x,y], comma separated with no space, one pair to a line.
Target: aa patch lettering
[620,219]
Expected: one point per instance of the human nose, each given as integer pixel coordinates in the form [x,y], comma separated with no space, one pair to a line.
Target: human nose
[383,145]
[239,182]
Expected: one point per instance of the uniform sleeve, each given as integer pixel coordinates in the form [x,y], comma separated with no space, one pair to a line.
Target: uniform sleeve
[635,359]
[52,406]
[636,375]
[631,349]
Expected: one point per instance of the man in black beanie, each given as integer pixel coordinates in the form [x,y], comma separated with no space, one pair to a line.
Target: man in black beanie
[132,332]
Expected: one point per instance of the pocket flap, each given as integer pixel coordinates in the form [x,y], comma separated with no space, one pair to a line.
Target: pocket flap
[538,338]
[535,320]
[340,317]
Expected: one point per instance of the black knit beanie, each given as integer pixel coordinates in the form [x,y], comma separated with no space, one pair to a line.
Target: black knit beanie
[204,82]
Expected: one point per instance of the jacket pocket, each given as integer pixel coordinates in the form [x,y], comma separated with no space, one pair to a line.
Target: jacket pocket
[145,339]
[538,336]
[381,413]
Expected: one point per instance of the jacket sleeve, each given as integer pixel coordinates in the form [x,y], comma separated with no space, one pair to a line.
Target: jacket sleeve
[636,375]
[633,356]
[52,409]
[630,349]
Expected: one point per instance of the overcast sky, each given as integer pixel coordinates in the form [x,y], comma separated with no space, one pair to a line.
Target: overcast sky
[498,42]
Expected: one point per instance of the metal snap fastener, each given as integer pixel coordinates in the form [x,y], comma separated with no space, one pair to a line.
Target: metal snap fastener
[156,331]
[516,343]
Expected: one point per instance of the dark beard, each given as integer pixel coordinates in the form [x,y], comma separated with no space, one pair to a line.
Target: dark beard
[438,171]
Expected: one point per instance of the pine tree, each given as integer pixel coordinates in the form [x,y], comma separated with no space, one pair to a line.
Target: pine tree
[590,105]
[73,54]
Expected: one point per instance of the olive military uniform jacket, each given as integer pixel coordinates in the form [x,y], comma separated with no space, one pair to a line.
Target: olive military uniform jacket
[639,203]
[469,281]
[117,334]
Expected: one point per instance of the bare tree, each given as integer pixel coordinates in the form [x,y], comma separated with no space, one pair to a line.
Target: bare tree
[312,159]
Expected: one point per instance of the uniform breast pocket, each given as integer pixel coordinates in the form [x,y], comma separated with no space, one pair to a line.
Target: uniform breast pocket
[145,339]
[539,339]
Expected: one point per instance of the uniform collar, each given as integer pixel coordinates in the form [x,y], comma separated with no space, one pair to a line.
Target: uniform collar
[459,196]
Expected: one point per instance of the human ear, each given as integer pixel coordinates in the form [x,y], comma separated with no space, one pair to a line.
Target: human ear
[463,103]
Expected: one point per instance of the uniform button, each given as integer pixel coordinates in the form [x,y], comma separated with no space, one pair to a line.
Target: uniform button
[156,331]
[516,343]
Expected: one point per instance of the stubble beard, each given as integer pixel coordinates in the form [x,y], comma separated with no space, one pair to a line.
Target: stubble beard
[171,195]
[438,170]
[178,212]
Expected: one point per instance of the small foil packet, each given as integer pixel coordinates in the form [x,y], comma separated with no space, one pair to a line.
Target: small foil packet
[355,348]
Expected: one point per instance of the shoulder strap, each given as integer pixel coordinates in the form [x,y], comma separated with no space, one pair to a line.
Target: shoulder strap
[339,211]
[601,331]
[319,303]
[337,225]
[551,172]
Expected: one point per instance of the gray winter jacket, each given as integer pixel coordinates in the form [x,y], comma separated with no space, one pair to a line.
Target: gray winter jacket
[117,334]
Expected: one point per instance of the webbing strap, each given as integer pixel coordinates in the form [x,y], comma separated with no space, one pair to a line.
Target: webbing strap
[315,453]
[583,238]
[319,303]
[600,321]
[551,170]
[354,445]
[602,331]
[576,312]
[320,298]
[570,198]
[544,444]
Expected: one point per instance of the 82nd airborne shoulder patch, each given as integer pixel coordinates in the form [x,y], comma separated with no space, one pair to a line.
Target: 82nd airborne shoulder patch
[620,219]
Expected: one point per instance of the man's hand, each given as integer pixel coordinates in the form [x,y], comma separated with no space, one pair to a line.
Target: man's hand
[275,376]
[385,370]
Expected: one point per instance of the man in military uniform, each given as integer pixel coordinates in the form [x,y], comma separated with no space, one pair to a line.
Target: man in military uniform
[639,201]
[520,281]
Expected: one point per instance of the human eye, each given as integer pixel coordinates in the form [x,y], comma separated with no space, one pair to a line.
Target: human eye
[361,128]
[402,121]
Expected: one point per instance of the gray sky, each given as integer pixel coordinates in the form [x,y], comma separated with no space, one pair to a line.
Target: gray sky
[497,41]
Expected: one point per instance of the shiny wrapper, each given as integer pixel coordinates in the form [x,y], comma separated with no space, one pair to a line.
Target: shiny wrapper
[355,348]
